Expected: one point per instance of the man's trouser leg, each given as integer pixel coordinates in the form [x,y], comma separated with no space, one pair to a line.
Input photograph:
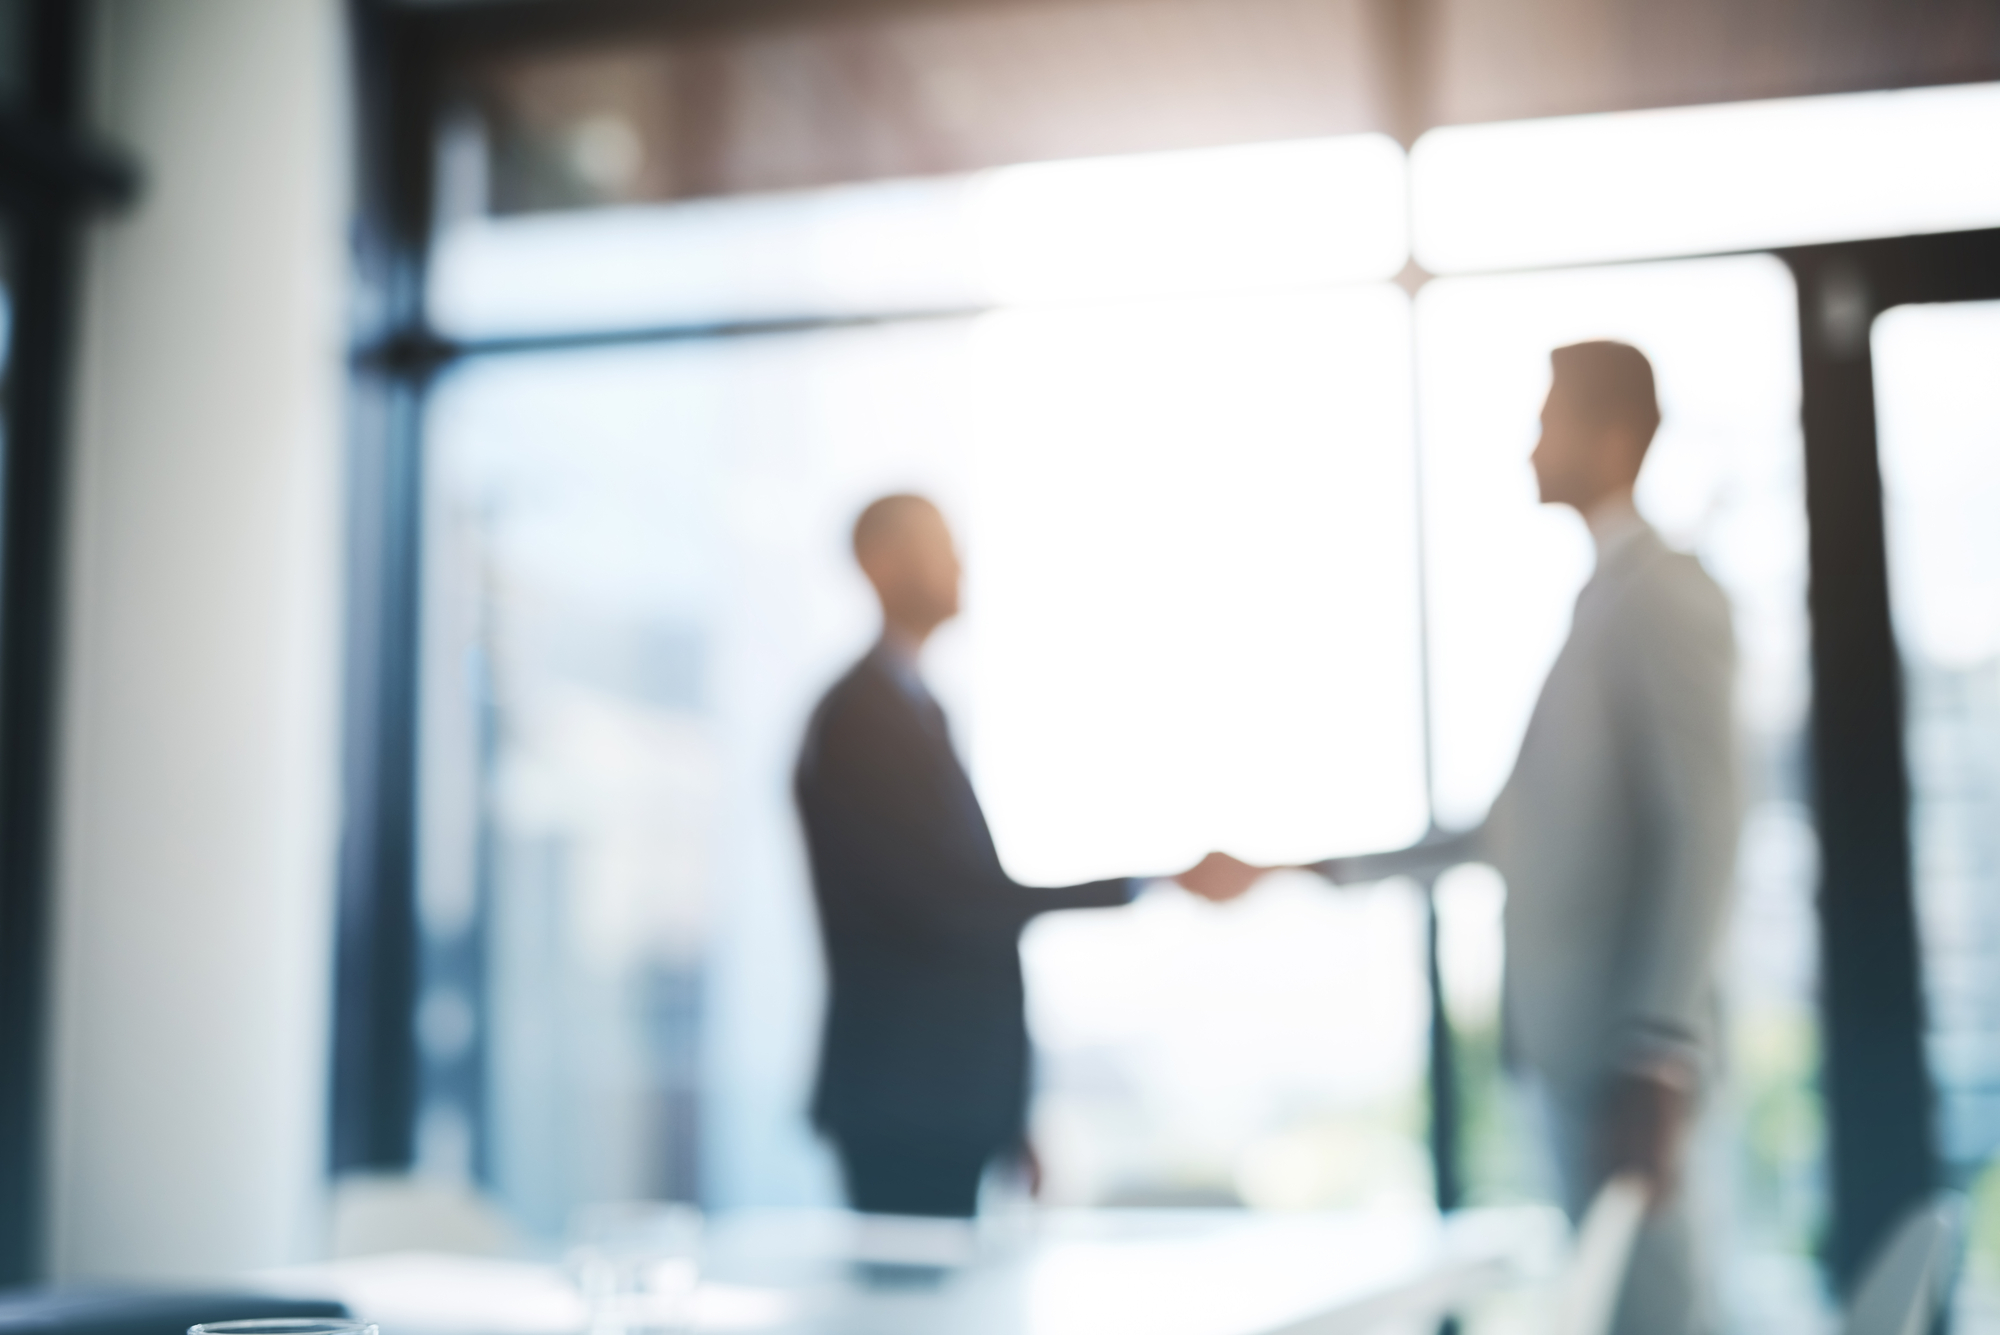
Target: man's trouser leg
[1664,1291]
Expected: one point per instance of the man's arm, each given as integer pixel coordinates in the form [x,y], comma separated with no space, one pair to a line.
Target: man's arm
[1679,701]
[877,799]
[1437,851]
[1677,695]
[1220,877]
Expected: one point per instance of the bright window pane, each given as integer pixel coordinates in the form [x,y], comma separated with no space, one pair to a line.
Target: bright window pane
[1198,584]
[1724,480]
[1691,180]
[638,586]
[1938,398]
[1218,220]
[1210,221]
[866,249]
[1192,522]
[1270,1053]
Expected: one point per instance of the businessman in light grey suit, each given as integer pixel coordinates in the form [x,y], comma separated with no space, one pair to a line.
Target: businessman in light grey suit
[1616,834]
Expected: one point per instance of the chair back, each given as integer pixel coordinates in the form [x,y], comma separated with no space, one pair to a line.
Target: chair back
[1910,1279]
[1587,1293]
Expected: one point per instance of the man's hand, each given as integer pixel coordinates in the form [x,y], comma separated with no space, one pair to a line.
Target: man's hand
[1219,877]
[1642,1125]
[1031,1169]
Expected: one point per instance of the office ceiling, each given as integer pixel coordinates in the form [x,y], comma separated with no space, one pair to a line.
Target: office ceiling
[729,96]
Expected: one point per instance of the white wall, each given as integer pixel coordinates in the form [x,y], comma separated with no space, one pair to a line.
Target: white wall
[199,756]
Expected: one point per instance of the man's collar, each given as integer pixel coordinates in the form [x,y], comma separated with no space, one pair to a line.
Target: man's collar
[1614,522]
[900,657]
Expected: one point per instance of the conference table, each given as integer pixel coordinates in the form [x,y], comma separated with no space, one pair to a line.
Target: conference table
[1052,1272]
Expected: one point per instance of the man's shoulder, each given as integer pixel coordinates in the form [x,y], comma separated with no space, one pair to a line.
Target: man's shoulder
[856,708]
[858,689]
[1663,582]
[1668,609]
[1682,582]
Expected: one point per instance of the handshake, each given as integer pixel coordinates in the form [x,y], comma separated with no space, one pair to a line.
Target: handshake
[1219,877]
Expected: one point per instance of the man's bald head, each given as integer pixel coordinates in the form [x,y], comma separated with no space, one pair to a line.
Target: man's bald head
[885,521]
[904,547]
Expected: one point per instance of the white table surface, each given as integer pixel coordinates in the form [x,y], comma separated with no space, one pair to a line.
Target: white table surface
[1146,1272]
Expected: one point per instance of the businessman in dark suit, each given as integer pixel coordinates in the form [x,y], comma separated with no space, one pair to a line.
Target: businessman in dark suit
[923,1075]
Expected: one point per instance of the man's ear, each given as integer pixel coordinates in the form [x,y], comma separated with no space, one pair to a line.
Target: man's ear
[882,571]
[1625,445]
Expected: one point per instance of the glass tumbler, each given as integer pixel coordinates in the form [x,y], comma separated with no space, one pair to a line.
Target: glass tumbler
[637,1264]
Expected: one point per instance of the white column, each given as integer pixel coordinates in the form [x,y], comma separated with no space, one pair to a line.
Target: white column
[199,755]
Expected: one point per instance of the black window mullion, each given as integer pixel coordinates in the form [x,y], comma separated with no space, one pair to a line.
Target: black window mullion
[375,1071]
[1882,1155]
[49,177]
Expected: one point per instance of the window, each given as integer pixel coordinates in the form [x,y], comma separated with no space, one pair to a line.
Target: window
[1690,180]
[1940,419]
[1189,495]
[638,588]
[655,420]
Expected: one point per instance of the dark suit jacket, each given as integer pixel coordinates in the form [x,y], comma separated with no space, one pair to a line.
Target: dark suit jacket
[924,1028]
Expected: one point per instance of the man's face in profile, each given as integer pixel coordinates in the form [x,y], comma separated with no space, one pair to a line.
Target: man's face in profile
[917,573]
[1572,457]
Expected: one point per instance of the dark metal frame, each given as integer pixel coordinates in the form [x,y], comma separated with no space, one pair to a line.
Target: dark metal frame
[1877,1085]
[51,177]
[374,1080]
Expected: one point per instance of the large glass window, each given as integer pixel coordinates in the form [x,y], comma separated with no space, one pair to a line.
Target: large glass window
[1190,532]
[1938,401]
[1266,216]
[1693,180]
[1254,561]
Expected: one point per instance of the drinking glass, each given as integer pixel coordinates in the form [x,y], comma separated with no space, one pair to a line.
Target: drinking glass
[637,1264]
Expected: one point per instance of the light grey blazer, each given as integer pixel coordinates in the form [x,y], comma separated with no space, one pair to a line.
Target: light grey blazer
[1617,831]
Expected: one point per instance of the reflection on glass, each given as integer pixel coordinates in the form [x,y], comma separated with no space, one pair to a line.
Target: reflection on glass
[1190,541]
[1938,399]
[1690,180]
[1211,221]
[1723,480]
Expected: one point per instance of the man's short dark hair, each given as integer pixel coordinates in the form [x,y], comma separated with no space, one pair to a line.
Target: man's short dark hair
[1611,384]
[881,519]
